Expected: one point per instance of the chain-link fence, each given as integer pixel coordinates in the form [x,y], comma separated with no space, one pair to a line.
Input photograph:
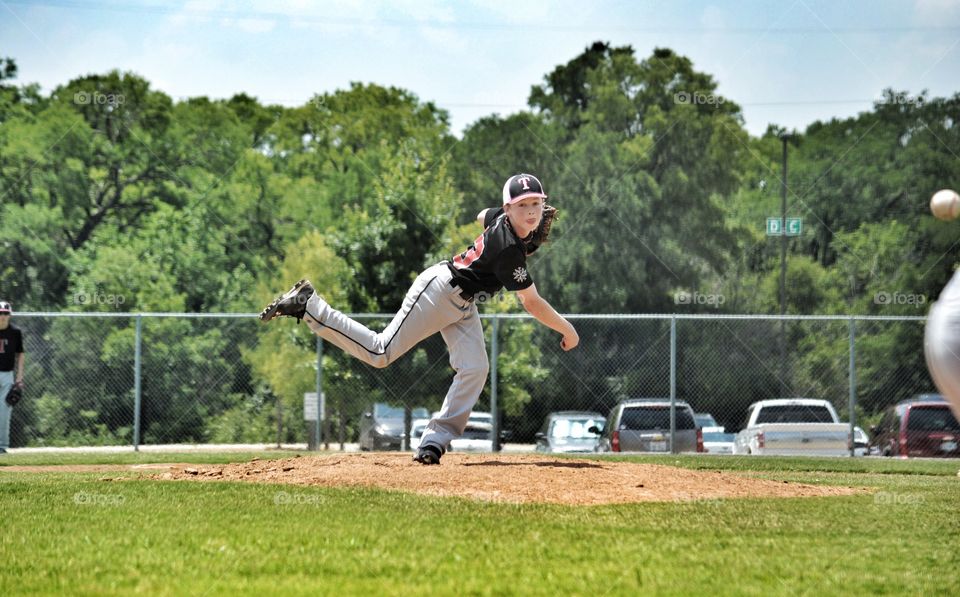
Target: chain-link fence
[115,379]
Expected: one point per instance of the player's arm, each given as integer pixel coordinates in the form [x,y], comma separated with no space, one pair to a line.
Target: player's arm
[542,311]
[19,357]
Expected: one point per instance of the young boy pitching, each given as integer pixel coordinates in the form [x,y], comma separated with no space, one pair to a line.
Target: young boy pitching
[441,299]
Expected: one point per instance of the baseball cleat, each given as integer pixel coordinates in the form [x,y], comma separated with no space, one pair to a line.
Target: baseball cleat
[428,455]
[292,303]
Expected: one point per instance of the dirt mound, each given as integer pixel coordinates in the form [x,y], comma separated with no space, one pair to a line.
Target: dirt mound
[508,478]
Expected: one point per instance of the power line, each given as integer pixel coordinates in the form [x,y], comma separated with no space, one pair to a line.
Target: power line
[407,23]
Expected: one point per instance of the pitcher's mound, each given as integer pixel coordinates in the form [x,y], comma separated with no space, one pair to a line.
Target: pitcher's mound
[509,478]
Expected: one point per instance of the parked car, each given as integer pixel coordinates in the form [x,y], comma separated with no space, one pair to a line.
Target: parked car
[381,427]
[569,431]
[793,426]
[477,435]
[643,425]
[477,416]
[861,442]
[923,425]
[716,440]
[704,420]
[416,432]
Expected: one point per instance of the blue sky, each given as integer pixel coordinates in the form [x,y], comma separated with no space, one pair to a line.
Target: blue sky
[788,62]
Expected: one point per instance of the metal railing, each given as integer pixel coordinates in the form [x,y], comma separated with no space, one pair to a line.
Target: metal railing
[158,378]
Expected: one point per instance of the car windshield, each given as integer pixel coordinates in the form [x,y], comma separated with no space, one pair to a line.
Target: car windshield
[385,411]
[794,413]
[705,420]
[418,431]
[574,428]
[654,417]
[932,418]
[716,436]
[476,433]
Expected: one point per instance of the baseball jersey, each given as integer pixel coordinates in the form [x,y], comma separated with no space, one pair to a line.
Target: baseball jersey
[496,259]
[11,343]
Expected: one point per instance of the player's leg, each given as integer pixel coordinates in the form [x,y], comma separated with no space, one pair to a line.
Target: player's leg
[429,305]
[6,382]
[468,357]
[942,342]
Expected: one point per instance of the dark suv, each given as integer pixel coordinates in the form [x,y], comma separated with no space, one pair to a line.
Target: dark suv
[921,426]
[381,427]
[643,425]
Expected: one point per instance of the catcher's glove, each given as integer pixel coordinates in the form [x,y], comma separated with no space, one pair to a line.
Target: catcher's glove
[15,394]
[542,234]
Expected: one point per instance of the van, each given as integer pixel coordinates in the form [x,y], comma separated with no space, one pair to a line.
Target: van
[643,425]
[921,426]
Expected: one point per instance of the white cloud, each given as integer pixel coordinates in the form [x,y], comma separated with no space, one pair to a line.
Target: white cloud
[936,13]
[250,25]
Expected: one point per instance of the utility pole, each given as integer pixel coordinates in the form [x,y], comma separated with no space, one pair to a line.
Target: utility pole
[783,264]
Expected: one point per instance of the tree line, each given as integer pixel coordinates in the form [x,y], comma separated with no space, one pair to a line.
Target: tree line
[115,197]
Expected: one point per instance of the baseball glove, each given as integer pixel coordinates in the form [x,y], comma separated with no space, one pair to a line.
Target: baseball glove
[15,394]
[542,234]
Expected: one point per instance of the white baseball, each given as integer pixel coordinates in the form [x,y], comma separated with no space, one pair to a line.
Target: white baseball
[945,204]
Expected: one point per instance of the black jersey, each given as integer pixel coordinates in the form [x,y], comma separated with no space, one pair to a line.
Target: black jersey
[11,343]
[496,259]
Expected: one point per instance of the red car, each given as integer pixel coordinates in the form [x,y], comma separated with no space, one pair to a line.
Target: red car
[921,426]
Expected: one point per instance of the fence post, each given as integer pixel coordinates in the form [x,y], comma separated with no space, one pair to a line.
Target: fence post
[853,384]
[137,389]
[318,425]
[673,384]
[495,432]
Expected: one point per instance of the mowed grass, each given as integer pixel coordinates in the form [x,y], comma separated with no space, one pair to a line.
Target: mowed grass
[81,534]
[146,457]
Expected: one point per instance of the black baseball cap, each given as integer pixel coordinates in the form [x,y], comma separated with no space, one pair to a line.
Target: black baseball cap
[522,186]
[5,308]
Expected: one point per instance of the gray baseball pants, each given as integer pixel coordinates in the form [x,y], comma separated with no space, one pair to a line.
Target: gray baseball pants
[6,382]
[942,342]
[431,305]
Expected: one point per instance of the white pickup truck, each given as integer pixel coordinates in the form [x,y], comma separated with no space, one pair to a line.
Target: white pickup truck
[793,426]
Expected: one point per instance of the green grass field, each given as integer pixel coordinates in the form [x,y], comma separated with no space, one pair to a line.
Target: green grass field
[78,533]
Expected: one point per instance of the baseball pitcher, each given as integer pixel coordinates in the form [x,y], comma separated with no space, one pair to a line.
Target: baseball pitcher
[442,299]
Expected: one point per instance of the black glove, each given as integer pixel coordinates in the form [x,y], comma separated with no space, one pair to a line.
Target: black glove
[15,394]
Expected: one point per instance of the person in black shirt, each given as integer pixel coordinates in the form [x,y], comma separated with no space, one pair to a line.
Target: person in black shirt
[443,299]
[11,369]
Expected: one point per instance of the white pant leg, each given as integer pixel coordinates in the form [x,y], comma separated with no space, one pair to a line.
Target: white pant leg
[468,357]
[6,382]
[430,305]
[942,342]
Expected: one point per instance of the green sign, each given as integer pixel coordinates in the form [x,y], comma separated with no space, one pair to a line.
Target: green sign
[775,227]
[794,226]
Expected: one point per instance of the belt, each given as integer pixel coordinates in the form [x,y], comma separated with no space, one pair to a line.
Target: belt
[464,294]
